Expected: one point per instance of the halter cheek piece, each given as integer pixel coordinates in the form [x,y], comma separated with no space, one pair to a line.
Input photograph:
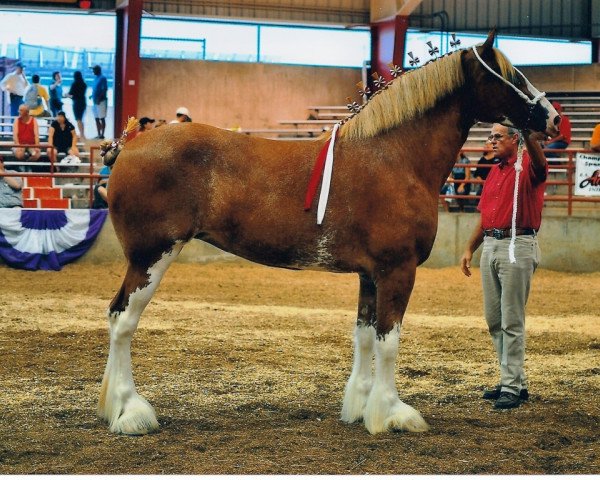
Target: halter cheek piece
[531,101]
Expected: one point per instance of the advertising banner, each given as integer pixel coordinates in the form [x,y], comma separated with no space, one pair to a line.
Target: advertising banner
[587,174]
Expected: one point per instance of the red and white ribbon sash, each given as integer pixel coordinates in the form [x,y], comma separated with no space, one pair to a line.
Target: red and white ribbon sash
[324,166]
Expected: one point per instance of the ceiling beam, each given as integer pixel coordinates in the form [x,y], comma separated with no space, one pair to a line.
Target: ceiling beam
[386,9]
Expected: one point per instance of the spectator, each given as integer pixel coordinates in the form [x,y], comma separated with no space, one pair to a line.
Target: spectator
[37,98]
[146,124]
[481,173]
[563,139]
[595,140]
[183,115]
[62,137]
[462,173]
[101,190]
[99,91]
[15,83]
[448,189]
[77,94]
[56,94]
[10,189]
[506,285]
[26,132]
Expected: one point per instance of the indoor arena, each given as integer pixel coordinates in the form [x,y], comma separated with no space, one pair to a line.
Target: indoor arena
[270,237]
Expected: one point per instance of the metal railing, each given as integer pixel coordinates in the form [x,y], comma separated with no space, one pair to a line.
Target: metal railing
[54,167]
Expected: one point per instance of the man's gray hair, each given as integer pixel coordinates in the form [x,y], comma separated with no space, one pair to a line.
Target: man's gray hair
[512,131]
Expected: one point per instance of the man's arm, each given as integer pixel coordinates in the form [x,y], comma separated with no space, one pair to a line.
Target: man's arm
[538,160]
[472,245]
[16,131]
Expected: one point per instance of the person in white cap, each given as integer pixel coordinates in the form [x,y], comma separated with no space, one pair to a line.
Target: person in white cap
[183,115]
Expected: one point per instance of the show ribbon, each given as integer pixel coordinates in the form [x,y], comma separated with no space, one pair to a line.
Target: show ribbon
[318,170]
[326,183]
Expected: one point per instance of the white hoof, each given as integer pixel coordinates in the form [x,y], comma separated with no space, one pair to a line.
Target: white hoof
[355,400]
[137,417]
[382,415]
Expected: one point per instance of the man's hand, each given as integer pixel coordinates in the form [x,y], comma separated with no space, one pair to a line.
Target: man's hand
[465,263]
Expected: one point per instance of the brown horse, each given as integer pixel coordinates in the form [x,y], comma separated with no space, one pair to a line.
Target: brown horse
[245,195]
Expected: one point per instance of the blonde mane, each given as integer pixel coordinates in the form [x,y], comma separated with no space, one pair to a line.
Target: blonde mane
[412,94]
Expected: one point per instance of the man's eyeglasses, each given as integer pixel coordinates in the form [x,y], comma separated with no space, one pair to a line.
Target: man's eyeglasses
[495,136]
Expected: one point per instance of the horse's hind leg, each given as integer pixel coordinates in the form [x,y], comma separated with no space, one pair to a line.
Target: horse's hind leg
[384,409]
[120,405]
[360,381]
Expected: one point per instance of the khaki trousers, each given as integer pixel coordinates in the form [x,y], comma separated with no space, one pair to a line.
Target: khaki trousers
[505,292]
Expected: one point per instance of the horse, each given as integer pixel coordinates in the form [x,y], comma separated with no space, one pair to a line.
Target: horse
[245,195]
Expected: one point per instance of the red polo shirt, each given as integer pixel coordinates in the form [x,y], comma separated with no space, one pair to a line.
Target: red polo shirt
[497,198]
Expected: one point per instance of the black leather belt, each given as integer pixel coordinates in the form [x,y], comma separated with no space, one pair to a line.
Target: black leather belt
[499,233]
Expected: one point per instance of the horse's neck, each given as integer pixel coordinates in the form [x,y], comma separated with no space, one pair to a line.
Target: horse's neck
[431,143]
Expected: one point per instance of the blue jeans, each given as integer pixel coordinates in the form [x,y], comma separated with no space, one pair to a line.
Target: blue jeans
[560,144]
[15,102]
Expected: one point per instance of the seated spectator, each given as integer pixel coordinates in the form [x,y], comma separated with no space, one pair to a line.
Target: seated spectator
[62,137]
[595,140]
[146,124]
[448,189]
[10,189]
[37,99]
[26,132]
[563,139]
[101,190]
[182,115]
[481,173]
[462,173]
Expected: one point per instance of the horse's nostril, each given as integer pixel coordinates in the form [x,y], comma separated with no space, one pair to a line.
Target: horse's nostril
[557,120]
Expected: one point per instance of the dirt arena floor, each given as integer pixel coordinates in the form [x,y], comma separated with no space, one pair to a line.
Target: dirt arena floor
[246,367]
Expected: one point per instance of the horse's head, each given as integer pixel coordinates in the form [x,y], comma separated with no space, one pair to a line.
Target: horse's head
[502,94]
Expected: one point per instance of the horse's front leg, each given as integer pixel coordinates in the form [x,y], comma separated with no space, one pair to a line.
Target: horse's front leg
[361,379]
[384,410]
[120,405]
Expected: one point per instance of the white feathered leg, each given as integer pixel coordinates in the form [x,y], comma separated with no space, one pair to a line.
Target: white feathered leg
[360,381]
[384,410]
[120,405]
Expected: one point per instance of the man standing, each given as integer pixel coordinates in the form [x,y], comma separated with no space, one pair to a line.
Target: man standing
[505,284]
[99,90]
[15,84]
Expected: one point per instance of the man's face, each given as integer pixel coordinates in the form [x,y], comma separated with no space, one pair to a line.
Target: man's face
[503,144]
[23,110]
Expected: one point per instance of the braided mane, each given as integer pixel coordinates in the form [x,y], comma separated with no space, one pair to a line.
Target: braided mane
[412,94]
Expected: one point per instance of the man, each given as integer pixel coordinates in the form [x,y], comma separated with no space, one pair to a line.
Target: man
[99,91]
[26,132]
[563,139]
[595,140]
[37,98]
[10,189]
[56,93]
[505,284]
[182,115]
[15,83]
[146,124]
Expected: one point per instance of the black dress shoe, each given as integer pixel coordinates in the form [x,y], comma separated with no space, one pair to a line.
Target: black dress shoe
[507,400]
[494,394]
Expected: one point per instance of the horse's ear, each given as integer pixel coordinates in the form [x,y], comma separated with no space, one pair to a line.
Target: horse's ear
[489,41]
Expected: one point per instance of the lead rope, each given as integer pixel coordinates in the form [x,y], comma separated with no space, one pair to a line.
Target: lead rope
[518,170]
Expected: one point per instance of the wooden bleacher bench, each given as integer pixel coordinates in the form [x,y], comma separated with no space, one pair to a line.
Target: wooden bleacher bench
[306,122]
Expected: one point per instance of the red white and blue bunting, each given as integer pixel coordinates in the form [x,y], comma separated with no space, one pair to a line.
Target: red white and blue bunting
[47,239]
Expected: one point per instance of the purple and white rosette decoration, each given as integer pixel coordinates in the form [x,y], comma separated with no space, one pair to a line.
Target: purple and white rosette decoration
[47,239]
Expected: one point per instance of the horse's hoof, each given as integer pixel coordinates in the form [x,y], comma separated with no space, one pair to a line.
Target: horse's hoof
[138,418]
